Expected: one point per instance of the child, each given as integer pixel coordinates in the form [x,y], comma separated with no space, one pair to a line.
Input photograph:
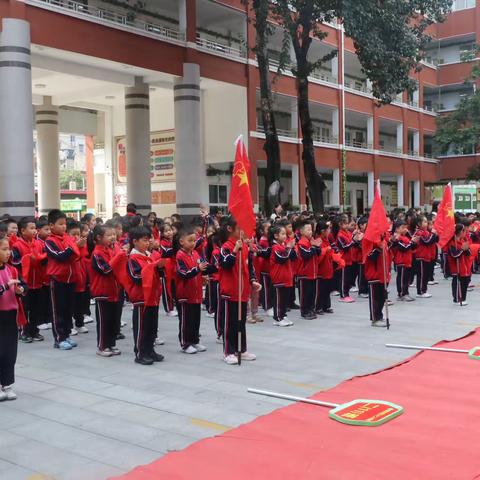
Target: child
[28,254]
[230,271]
[345,244]
[12,231]
[81,304]
[307,251]
[357,258]
[168,273]
[291,238]
[190,268]
[62,252]
[402,249]
[458,250]
[105,290]
[263,253]
[281,273]
[10,286]
[45,315]
[423,239]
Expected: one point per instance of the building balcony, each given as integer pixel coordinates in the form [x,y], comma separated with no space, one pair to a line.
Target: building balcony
[281,132]
[358,144]
[331,140]
[220,48]
[104,13]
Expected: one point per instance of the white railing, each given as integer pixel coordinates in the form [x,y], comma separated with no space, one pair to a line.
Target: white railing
[280,132]
[413,153]
[390,149]
[356,85]
[111,15]
[220,48]
[357,144]
[325,138]
[324,76]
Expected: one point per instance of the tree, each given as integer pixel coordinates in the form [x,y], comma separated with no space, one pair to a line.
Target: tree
[389,38]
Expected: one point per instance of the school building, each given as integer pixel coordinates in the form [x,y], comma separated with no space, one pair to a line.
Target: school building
[159,96]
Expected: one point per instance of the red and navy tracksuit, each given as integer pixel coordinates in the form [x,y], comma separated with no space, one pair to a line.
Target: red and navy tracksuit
[345,244]
[263,260]
[358,268]
[307,274]
[281,274]
[81,306]
[30,260]
[402,250]
[214,290]
[459,263]
[62,252]
[105,290]
[324,282]
[167,275]
[230,271]
[423,258]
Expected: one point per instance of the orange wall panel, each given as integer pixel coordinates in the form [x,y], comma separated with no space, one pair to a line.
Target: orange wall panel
[458,23]
[454,73]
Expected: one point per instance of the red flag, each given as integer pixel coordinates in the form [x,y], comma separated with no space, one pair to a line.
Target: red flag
[240,203]
[445,221]
[377,225]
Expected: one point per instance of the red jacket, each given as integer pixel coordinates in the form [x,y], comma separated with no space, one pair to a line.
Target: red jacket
[374,266]
[103,283]
[458,259]
[230,269]
[189,277]
[402,250]
[30,259]
[264,252]
[215,263]
[345,244]
[62,251]
[327,260]
[281,265]
[423,250]
[80,270]
[307,259]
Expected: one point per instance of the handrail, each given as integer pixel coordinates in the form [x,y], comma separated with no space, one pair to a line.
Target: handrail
[220,47]
[280,132]
[357,144]
[325,138]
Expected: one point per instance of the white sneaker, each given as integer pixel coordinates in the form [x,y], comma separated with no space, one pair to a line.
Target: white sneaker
[44,326]
[363,295]
[219,340]
[92,301]
[200,348]
[123,324]
[231,360]
[9,393]
[172,313]
[159,341]
[408,298]
[210,315]
[424,295]
[82,330]
[73,332]
[104,353]
[431,282]
[354,289]
[335,293]
[463,304]
[87,319]
[283,323]
[248,357]
[270,312]
[190,350]
[3,396]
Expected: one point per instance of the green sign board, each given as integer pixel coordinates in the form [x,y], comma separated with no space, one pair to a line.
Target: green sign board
[465,198]
[73,204]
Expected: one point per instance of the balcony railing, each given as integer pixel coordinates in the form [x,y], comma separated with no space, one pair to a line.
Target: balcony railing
[292,133]
[356,85]
[325,139]
[112,16]
[324,76]
[390,149]
[220,48]
[357,144]
[413,153]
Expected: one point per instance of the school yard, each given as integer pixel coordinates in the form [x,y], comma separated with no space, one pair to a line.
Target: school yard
[79,416]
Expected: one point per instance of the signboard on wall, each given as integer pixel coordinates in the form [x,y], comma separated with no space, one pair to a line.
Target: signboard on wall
[162,152]
[465,198]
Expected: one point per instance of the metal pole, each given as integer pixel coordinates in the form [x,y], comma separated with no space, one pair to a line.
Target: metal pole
[417,347]
[384,260]
[239,324]
[267,393]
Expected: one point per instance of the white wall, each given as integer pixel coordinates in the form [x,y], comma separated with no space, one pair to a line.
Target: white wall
[80,122]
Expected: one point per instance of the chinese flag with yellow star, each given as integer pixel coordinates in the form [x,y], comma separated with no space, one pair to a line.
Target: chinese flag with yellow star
[240,203]
[445,221]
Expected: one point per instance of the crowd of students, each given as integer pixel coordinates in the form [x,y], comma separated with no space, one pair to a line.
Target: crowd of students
[51,268]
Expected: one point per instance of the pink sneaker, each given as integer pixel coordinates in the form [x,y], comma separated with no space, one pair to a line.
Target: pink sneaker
[347,300]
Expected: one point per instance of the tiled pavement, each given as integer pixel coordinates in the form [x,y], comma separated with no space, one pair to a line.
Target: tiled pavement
[79,416]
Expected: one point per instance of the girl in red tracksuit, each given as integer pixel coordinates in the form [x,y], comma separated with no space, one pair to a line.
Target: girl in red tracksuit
[105,290]
[230,270]
[281,273]
[307,252]
[345,243]
[213,283]
[458,258]
[190,268]
[263,253]
[424,239]
[168,273]
[402,249]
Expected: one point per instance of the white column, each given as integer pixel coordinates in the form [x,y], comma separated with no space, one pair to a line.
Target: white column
[370,132]
[182,16]
[295,186]
[108,148]
[370,187]
[48,162]
[137,128]
[17,193]
[416,193]
[416,96]
[400,200]
[334,68]
[189,162]
[416,142]
[400,137]
[294,116]
[335,201]
[369,85]
[336,125]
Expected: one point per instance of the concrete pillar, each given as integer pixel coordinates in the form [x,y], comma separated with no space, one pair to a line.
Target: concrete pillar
[295,186]
[416,142]
[416,193]
[334,67]
[370,132]
[137,128]
[182,16]
[17,193]
[336,126]
[189,162]
[370,187]
[416,97]
[335,200]
[400,189]
[48,162]
[400,137]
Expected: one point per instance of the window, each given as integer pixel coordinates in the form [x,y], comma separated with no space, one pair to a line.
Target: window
[461,4]
[217,194]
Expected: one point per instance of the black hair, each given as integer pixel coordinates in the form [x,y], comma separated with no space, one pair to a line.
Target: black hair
[163,227]
[41,222]
[183,232]
[178,225]
[72,223]
[228,222]
[134,222]
[419,220]
[321,226]
[99,231]
[3,230]
[303,223]
[99,220]
[362,221]
[55,215]
[398,224]
[283,222]
[131,208]
[272,231]
[459,228]
[137,233]
[212,242]
[24,221]
[87,217]
[197,222]
[176,217]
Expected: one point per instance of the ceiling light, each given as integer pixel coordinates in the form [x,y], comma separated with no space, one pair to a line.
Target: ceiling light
[40,85]
[109,97]
[152,89]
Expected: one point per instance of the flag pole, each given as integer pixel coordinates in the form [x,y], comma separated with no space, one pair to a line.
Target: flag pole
[385,286]
[240,288]
[459,291]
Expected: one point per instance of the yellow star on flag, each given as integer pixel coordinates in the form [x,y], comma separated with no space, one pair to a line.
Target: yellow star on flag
[242,175]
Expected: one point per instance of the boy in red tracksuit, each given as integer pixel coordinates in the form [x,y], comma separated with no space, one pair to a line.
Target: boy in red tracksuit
[168,273]
[346,243]
[45,310]
[190,268]
[28,256]
[424,239]
[62,252]
[214,286]
[263,254]
[307,252]
[375,275]
[281,273]
[458,251]
[402,249]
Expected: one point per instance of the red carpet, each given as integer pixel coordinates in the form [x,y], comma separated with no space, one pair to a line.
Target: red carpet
[435,438]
